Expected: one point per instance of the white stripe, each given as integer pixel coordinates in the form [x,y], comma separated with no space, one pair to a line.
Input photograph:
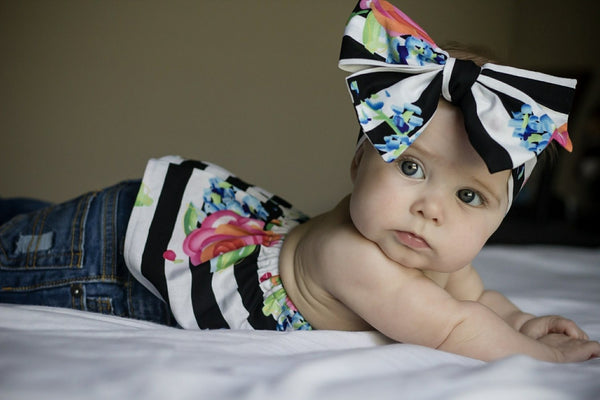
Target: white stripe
[385,67]
[494,119]
[229,300]
[141,219]
[355,28]
[178,274]
[218,171]
[529,165]
[508,90]
[511,184]
[258,192]
[406,90]
[446,75]
[538,76]
[538,109]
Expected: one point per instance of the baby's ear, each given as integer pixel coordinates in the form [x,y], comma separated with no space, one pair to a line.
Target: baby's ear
[358,155]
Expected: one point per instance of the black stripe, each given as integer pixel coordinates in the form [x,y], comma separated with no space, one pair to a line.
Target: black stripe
[353,49]
[430,98]
[493,154]
[374,82]
[518,175]
[550,95]
[194,164]
[510,104]
[206,310]
[282,202]
[162,225]
[464,74]
[273,210]
[237,182]
[247,280]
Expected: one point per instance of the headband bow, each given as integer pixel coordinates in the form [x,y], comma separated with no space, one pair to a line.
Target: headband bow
[510,114]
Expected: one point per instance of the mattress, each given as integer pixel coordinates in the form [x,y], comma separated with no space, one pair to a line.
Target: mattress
[54,353]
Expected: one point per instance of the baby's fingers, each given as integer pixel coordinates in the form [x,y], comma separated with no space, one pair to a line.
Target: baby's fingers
[540,326]
[571,350]
[566,327]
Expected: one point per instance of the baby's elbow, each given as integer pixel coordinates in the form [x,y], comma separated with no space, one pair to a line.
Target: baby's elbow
[459,328]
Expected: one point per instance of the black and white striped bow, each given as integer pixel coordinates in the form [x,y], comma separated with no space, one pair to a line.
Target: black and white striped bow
[399,75]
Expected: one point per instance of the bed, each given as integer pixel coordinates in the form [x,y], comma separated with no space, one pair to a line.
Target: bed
[53,353]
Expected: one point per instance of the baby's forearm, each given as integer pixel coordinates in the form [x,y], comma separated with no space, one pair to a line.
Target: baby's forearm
[484,335]
[509,312]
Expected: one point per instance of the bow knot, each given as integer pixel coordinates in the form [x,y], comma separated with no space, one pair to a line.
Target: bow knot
[458,78]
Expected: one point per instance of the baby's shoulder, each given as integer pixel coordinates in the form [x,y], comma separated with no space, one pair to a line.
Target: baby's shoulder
[334,246]
[334,236]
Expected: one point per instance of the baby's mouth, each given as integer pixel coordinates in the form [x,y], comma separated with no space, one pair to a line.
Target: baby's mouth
[412,240]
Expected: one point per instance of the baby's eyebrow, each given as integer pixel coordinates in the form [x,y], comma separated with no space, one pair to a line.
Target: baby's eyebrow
[488,188]
[423,151]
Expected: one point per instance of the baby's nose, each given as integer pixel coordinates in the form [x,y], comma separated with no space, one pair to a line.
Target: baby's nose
[429,206]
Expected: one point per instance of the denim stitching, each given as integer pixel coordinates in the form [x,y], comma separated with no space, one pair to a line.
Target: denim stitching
[103,245]
[128,286]
[114,251]
[27,265]
[102,305]
[4,228]
[39,231]
[63,282]
[33,230]
[73,252]
[73,230]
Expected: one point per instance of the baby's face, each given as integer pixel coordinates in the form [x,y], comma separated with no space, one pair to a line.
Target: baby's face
[436,205]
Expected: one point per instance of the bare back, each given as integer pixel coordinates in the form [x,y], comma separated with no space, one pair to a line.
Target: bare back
[307,268]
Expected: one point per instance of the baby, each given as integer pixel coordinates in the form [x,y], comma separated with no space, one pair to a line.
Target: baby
[394,256]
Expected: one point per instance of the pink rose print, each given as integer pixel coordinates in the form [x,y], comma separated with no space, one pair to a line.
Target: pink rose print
[225,231]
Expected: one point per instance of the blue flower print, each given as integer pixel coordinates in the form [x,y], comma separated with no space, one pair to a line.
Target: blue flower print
[405,118]
[410,50]
[534,131]
[374,104]
[354,87]
[404,121]
[222,196]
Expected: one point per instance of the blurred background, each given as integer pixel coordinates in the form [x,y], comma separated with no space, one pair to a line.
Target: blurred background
[90,90]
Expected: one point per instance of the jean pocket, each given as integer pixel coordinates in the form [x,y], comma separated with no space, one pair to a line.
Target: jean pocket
[50,238]
[102,305]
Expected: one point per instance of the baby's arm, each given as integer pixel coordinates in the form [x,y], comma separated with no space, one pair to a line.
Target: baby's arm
[408,307]
[528,324]
[467,283]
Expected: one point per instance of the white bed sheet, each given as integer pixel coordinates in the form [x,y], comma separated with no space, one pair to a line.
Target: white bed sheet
[51,353]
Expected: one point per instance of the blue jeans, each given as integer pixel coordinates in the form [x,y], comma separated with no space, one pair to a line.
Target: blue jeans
[71,255]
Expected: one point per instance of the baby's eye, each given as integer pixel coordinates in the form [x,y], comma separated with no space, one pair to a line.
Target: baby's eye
[470,197]
[411,169]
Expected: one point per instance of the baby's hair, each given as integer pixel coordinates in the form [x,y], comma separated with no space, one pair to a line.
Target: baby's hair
[478,54]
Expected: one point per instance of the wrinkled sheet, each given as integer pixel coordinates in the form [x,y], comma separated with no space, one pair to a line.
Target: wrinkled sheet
[52,353]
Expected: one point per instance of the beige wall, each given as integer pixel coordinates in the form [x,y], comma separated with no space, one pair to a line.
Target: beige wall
[89,90]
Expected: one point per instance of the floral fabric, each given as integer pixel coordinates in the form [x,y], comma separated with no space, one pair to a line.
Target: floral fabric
[208,244]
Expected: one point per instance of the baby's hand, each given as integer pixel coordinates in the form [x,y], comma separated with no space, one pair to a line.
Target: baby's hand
[541,326]
[569,349]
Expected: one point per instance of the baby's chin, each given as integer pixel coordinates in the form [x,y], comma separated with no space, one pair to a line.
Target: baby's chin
[409,258]
[433,264]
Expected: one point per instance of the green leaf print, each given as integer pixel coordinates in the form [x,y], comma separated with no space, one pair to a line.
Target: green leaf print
[190,219]
[143,198]
[230,258]
[373,39]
